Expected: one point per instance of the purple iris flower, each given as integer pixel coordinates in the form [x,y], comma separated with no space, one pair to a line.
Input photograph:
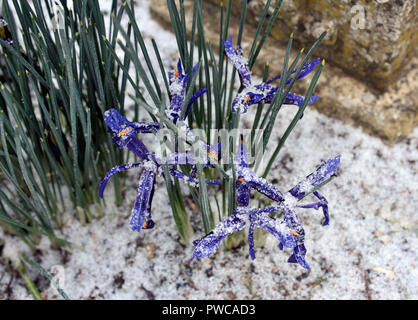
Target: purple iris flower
[124,135]
[322,174]
[327,170]
[177,90]
[247,180]
[289,232]
[263,92]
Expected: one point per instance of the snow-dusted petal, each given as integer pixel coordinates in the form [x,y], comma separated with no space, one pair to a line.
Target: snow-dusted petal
[142,202]
[251,238]
[298,256]
[184,177]
[242,157]
[116,170]
[137,147]
[296,99]
[260,184]
[277,228]
[292,222]
[193,99]
[149,223]
[124,131]
[320,175]
[177,90]
[259,218]
[239,61]
[206,246]
[322,203]
[306,69]
[253,94]
[242,193]
[291,98]
[190,180]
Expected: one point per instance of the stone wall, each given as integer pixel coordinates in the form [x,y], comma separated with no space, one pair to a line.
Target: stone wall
[372,40]
[344,93]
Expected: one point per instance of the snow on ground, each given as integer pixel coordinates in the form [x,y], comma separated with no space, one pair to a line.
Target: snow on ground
[369,250]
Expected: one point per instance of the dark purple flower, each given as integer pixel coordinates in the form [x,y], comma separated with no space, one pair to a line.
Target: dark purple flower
[124,135]
[207,245]
[289,232]
[264,92]
[327,170]
[247,180]
[290,204]
[177,87]
[177,91]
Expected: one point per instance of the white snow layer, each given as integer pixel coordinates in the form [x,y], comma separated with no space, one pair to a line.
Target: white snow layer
[369,250]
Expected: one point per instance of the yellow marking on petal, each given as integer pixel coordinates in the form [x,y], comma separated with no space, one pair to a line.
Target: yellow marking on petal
[247,99]
[124,131]
[145,225]
[176,74]
[294,232]
[241,179]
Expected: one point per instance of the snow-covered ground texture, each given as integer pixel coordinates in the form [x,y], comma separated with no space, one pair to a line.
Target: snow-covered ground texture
[369,250]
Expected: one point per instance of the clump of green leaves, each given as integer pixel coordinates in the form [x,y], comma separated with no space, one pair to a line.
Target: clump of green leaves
[213,110]
[58,77]
[58,82]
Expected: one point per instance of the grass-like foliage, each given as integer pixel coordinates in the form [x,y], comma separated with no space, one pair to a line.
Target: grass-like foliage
[203,91]
[63,89]
[58,77]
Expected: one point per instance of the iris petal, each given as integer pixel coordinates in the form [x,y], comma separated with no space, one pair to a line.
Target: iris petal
[113,171]
[307,69]
[142,202]
[263,92]
[206,246]
[251,238]
[323,203]
[298,256]
[193,99]
[320,175]
[239,61]
[277,228]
